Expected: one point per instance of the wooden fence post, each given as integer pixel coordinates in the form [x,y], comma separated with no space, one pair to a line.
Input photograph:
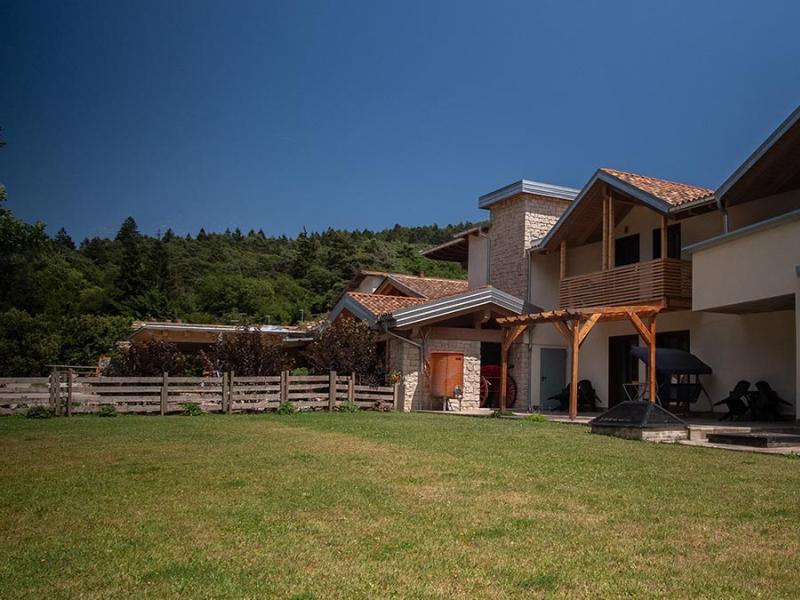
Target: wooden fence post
[53,394]
[284,387]
[224,407]
[351,388]
[164,392]
[396,395]
[332,391]
[230,392]
[70,378]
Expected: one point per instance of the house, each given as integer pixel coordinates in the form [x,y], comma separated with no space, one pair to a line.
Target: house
[624,260]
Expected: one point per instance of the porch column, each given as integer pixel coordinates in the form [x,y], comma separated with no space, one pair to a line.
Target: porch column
[652,348]
[664,236]
[605,233]
[573,384]
[562,273]
[508,339]
[611,246]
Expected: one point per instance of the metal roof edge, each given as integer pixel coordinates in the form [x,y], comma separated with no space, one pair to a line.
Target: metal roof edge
[528,187]
[770,223]
[443,306]
[354,306]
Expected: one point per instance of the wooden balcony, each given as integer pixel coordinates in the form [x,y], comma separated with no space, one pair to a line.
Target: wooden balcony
[666,280]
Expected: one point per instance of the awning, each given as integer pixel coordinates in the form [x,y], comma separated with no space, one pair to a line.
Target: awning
[673,362]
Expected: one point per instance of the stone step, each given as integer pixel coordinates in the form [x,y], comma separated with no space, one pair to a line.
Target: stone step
[757,439]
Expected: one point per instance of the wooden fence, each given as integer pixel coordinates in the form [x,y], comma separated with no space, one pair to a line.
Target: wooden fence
[66,393]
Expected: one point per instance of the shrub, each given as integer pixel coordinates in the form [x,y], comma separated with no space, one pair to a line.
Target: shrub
[348,346]
[148,359]
[107,410]
[38,412]
[536,418]
[348,407]
[300,372]
[248,352]
[287,408]
[502,413]
[192,409]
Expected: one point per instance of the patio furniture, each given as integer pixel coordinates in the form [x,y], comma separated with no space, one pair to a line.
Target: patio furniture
[587,397]
[673,364]
[738,402]
[765,403]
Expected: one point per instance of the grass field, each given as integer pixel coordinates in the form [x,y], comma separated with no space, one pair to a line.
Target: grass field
[384,505]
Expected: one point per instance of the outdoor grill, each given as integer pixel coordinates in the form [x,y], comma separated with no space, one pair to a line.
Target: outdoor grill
[640,420]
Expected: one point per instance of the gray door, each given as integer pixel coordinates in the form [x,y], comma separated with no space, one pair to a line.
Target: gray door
[552,375]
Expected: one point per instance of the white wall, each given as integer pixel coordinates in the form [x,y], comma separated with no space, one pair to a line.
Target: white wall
[478,266]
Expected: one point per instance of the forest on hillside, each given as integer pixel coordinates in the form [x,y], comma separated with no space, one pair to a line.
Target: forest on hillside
[63,302]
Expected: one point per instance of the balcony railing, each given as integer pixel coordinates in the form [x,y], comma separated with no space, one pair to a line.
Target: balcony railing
[663,279]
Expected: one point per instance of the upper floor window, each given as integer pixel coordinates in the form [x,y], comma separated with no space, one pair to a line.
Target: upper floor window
[673,241]
[626,250]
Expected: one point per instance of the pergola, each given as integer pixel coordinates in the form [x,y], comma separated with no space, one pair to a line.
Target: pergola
[575,325]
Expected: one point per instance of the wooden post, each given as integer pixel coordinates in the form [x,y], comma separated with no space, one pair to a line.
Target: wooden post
[284,387]
[573,384]
[331,391]
[53,392]
[164,392]
[503,376]
[396,395]
[351,388]
[224,407]
[653,381]
[231,379]
[664,244]
[605,233]
[611,246]
[562,273]
[70,378]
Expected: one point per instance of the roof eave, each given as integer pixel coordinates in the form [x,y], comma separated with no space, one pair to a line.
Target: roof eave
[525,186]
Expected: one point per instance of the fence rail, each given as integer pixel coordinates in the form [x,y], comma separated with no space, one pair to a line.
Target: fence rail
[66,393]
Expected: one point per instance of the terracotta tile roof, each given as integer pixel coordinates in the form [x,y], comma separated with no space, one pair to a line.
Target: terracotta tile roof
[433,287]
[670,192]
[378,304]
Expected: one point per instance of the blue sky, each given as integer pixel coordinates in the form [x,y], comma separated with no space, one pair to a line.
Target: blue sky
[364,114]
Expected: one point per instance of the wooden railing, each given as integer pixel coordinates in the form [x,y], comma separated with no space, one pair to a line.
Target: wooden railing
[66,393]
[667,279]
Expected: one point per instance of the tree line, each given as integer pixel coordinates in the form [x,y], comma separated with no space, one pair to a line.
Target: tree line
[63,302]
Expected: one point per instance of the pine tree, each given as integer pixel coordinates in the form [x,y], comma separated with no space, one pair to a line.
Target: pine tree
[63,240]
[130,276]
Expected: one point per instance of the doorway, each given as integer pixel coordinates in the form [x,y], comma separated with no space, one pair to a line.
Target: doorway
[552,375]
[626,250]
[623,367]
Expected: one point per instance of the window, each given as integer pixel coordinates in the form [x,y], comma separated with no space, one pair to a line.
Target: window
[673,241]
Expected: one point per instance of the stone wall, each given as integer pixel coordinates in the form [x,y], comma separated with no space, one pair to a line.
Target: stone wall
[415,393]
[516,223]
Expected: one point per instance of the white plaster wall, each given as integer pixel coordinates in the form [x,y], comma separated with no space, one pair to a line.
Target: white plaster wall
[755,266]
[478,266]
[753,347]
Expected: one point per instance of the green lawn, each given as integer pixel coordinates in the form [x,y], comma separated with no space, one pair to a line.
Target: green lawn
[384,505]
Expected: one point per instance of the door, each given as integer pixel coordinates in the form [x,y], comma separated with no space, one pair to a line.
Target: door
[623,367]
[626,250]
[552,375]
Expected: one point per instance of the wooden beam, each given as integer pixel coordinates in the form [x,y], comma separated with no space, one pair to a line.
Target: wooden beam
[605,232]
[611,246]
[644,332]
[573,384]
[664,245]
[564,330]
[653,381]
[510,335]
[587,327]
[562,273]
[467,334]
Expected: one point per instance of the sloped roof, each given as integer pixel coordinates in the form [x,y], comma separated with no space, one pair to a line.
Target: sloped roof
[671,192]
[379,304]
[431,287]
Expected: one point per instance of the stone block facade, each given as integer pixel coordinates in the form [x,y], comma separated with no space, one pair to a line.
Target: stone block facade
[516,223]
[415,390]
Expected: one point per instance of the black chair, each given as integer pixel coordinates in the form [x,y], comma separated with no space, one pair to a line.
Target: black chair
[736,401]
[587,397]
[766,404]
[562,397]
